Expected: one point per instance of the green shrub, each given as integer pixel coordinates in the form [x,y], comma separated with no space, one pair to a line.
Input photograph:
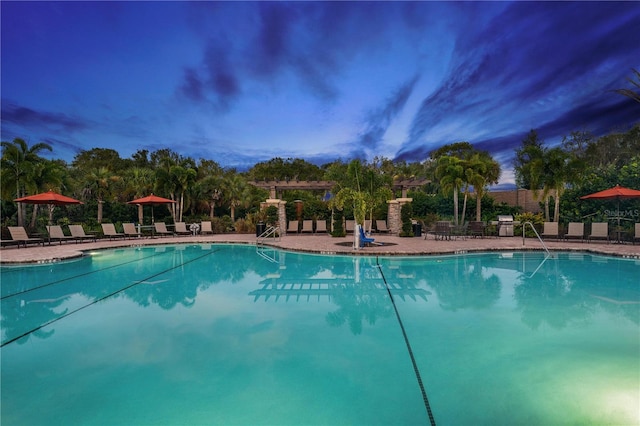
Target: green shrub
[405,216]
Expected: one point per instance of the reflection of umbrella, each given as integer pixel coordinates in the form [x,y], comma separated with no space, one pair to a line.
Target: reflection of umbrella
[51,198]
[616,193]
[151,200]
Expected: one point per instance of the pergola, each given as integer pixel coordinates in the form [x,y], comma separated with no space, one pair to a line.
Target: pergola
[276,187]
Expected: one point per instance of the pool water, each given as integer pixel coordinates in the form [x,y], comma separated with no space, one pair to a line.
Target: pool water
[228,334]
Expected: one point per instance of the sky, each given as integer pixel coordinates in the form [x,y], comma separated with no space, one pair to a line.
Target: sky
[245,82]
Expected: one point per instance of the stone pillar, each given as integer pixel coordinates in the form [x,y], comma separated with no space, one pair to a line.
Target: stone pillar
[282,213]
[394,220]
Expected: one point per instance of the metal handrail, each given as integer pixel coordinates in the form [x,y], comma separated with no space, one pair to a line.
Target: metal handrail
[270,232]
[537,235]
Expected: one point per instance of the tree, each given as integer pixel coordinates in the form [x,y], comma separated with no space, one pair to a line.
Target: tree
[138,183]
[450,173]
[236,192]
[18,167]
[99,183]
[630,93]
[482,170]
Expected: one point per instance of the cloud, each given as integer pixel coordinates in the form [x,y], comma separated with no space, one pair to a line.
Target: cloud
[27,117]
[379,120]
[529,62]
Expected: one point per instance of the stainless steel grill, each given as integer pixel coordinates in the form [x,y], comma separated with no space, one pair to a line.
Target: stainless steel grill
[505,225]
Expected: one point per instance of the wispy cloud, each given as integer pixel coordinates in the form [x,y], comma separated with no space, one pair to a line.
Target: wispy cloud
[27,117]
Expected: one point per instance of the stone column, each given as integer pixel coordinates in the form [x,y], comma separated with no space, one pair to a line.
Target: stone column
[282,213]
[394,220]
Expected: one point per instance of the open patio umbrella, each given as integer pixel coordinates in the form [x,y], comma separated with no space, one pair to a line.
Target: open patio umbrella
[50,198]
[151,200]
[616,193]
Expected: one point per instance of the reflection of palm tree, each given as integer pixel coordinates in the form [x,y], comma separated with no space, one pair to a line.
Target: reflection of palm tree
[468,288]
[358,302]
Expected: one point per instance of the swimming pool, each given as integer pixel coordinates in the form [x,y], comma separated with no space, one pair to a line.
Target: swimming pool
[228,334]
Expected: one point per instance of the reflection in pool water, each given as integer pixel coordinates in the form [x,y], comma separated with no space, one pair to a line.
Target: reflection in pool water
[225,334]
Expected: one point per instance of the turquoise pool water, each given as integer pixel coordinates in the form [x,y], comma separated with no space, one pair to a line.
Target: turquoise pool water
[226,334]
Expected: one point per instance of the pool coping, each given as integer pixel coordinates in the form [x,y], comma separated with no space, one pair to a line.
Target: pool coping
[323,244]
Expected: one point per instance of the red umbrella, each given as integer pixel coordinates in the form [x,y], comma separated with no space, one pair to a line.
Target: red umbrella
[151,200]
[48,198]
[616,193]
[51,198]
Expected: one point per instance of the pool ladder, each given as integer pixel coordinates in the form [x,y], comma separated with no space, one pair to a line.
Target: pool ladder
[524,226]
[270,232]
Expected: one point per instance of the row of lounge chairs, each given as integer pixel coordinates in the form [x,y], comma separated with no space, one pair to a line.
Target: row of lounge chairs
[320,226]
[551,230]
[576,230]
[77,234]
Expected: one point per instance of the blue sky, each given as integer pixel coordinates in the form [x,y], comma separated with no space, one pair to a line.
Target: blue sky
[243,82]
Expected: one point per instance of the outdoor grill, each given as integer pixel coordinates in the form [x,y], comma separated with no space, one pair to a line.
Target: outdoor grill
[505,225]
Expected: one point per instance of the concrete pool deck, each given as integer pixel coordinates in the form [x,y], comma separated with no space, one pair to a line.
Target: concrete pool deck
[324,244]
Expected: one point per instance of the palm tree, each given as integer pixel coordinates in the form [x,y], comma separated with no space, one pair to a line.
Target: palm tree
[555,176]
[47,175]
[139,183]
[450,173]
[18,163]
[235,192]
[99,183]
[482,171]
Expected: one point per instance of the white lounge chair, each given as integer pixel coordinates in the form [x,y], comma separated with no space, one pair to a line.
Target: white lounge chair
[20,236]
[109,230]
[292,227]
[130,230]
[181,229]
[599,231]
[321,226]
[205,227]
[550,230]
[56,234]
[161,229]
[307,226]
[77,231]
[575,230]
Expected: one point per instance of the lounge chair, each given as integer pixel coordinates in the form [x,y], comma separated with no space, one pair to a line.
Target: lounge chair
[442,230]
[292,227]
[20,236]
[307,226]
[349,225]
[77,231]
[599,231]
[550,230]
[381,226]
[476,229]
[321,226]
[56,234]
[367,226]
[205,227]
[109,230]
[364,240]
[181,229]
[636,236]
[130,230]
[161,229]
[575,230]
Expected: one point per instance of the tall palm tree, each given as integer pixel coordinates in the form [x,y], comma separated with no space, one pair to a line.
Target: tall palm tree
[139,183]
[99,184]
[450,173]
[482,171]
[17,164]
[236,192]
